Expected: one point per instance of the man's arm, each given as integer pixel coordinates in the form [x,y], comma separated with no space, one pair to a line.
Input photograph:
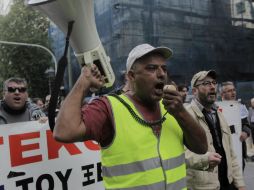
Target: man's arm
[246,131]
[205,162]
[69,125]
[194,134]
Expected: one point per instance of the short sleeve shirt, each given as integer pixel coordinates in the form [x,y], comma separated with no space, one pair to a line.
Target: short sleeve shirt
[98,119]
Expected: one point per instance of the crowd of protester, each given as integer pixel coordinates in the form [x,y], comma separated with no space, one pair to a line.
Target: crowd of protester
[209,159]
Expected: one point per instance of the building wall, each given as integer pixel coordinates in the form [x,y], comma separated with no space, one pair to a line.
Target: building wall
[242,10]
[204,34]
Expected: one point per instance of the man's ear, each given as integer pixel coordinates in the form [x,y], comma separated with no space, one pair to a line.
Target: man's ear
[194,90]
[131,75]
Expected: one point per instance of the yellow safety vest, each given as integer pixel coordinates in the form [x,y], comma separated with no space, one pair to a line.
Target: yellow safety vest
[137,159]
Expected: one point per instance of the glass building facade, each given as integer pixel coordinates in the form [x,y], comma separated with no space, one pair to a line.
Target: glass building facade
[203,34]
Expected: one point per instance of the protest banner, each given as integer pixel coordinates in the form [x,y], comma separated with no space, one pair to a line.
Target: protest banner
[231,112]
[31,159]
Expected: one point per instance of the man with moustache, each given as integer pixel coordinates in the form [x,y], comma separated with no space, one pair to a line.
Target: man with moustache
[15,106]
[141,137]
[218,168]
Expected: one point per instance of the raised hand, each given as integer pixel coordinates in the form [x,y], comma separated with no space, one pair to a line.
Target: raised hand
[93,76]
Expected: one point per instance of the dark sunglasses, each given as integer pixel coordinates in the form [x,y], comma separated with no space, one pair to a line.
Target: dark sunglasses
[12,89]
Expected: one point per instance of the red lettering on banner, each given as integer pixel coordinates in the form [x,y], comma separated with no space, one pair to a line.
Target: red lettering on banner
[1,140]
[91,145]
[53,147]
[16,149]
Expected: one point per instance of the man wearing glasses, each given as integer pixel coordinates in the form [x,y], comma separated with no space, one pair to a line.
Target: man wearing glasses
[15,106]
[218,168]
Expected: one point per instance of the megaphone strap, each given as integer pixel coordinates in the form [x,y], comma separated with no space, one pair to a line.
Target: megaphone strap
[136,117]
[58,80]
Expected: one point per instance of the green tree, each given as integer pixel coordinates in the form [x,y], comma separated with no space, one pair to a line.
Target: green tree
[23,24]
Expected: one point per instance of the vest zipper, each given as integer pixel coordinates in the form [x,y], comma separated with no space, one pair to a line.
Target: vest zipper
[158,150]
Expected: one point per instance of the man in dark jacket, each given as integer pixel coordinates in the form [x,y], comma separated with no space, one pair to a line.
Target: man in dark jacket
[15,106]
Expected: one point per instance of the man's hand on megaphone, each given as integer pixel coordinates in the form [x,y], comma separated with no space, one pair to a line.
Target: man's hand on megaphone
[172,100]
[93,76]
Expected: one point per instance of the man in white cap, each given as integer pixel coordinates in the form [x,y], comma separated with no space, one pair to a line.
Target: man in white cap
[141,136]
[218,168]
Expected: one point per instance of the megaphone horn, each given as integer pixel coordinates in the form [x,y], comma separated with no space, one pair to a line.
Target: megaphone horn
[84,39]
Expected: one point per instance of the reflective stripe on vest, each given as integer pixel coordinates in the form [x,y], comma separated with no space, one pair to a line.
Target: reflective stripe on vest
[140,166]
[180,184]
[137,160]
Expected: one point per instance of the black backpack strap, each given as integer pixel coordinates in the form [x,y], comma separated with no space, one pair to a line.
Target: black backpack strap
[58,80]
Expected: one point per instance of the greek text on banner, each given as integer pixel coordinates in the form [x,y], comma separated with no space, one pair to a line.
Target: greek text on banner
[31,159]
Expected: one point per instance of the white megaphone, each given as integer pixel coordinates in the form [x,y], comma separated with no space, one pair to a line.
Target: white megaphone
[84,38]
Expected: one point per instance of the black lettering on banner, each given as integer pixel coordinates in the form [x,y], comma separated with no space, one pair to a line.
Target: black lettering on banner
[88,174]
[24,183]
[47,177]
[99,172]
[64,179]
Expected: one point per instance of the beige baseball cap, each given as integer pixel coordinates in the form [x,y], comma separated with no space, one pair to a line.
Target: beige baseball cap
[201,75]
[143,49]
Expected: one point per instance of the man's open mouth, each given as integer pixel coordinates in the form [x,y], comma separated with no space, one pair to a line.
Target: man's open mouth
[17,99]
[159,88]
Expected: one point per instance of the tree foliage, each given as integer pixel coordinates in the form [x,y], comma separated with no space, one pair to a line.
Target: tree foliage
[23,24]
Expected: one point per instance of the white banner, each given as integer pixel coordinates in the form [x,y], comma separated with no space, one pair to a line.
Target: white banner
[231,112]
[31,159]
